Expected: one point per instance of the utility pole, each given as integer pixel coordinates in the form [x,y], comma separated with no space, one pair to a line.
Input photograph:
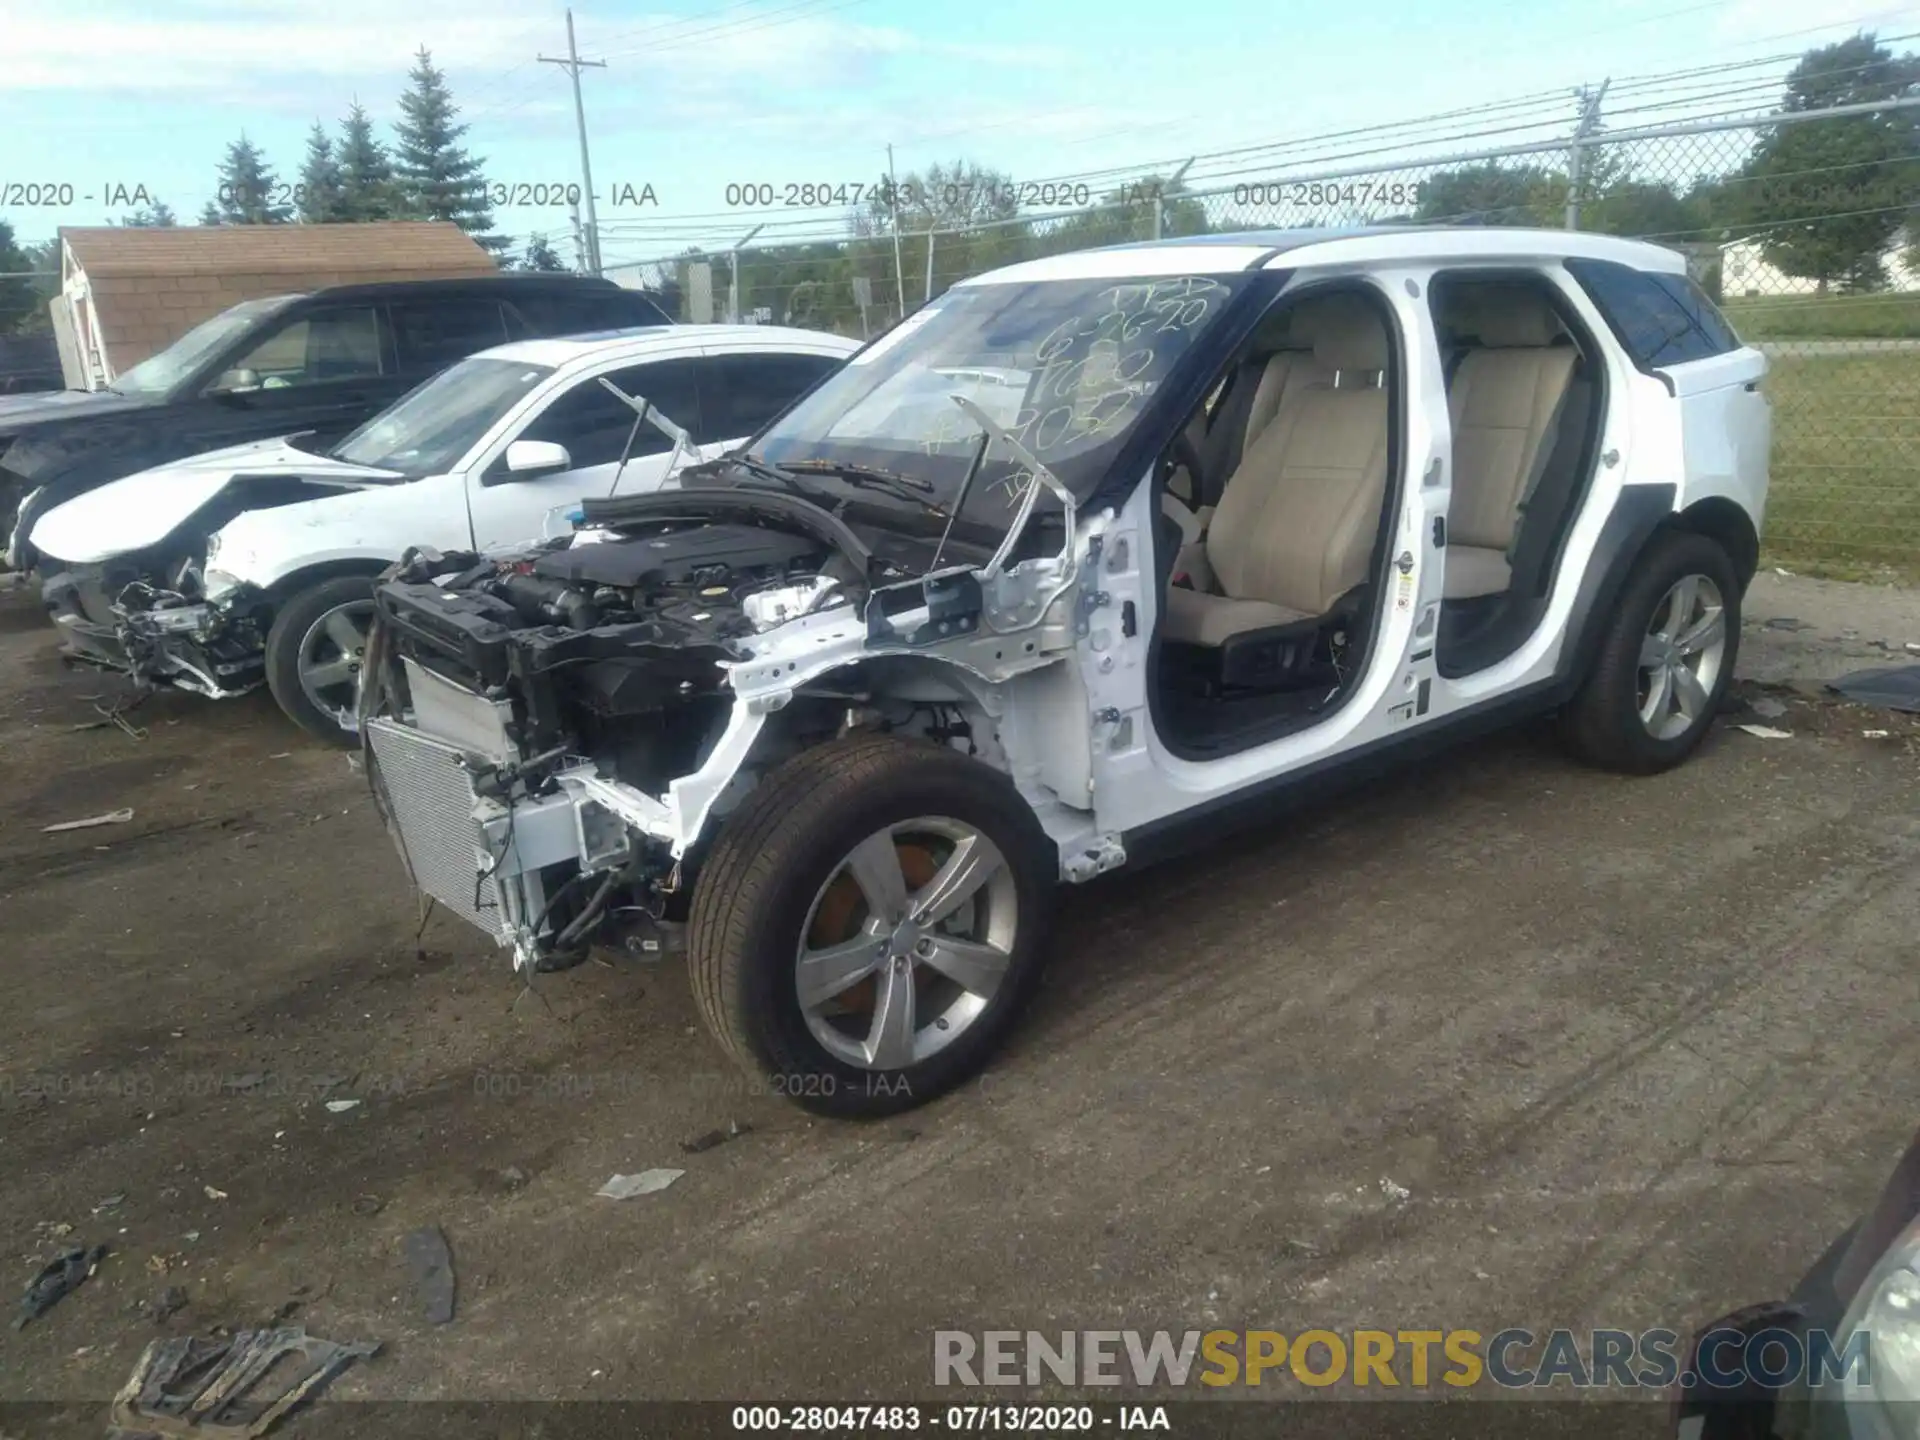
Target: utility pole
[1589,123]
[574,65]
[899,270]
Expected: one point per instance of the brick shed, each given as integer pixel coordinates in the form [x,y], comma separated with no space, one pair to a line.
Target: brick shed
[131,291]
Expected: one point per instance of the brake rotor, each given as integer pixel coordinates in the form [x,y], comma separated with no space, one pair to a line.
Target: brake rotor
[842,908]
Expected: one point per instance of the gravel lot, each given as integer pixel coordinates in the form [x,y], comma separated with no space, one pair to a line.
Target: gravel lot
[1635,1049]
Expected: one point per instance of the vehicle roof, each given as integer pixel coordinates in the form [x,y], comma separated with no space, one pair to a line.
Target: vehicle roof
[640,341]
[1303,249]
[458,284]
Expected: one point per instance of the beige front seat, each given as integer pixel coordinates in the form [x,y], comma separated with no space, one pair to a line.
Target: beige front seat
[1504,400]
[1282,363]
[1295,527]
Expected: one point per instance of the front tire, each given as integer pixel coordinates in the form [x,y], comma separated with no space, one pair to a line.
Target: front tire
[1665,661]
[870,924]
[314,652]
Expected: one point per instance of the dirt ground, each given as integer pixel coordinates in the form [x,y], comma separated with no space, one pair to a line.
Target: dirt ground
[1636,1050]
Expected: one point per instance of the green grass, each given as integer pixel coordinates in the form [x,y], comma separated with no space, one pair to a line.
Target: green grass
[1845,492]
[1814,317]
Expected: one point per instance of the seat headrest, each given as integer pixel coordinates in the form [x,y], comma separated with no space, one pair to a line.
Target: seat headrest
[1511,317]
[1346,333]
[1284,332]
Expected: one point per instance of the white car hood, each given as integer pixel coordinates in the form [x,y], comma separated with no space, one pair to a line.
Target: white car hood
[144,508]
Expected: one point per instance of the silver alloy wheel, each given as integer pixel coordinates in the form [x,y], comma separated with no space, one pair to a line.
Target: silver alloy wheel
[330,656]
[907,943]
[1681,656]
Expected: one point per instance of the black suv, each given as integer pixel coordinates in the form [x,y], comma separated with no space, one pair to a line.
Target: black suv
[322,362]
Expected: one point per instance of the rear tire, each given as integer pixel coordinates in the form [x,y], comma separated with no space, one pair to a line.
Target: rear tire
[300,650]
[785,902]
[1664,663]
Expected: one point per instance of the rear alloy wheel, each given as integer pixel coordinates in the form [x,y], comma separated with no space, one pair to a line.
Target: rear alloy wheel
[1664,664]
[315,651]
[869,924]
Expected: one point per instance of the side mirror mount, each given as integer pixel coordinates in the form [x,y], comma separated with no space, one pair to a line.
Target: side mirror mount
[537,457]
[235,382]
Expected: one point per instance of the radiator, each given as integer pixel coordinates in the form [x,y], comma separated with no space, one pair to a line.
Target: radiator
[429,801]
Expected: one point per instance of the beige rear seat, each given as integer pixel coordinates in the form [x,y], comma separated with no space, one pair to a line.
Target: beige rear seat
[1504,400]
[1296,522]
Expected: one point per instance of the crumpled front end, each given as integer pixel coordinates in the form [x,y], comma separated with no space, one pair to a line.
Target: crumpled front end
[545,781]
[156,634]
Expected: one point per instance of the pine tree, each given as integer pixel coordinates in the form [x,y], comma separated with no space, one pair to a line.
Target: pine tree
[318,195]
[158,216]
[211,215]
[539,255]
[439,179]
[366,171]
[248,189]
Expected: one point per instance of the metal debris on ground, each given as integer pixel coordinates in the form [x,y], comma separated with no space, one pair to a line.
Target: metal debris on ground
[214,1194]
[1895,687]
[340,1107]
[57,1279]
[116,715]
[166,1304]
[430,1263]
[213,1387]
[1875,734]
[1766,732]
[700,1144]
[627,1187]
[112,817]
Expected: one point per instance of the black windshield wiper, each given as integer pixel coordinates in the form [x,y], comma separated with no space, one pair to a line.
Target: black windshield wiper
[865,477]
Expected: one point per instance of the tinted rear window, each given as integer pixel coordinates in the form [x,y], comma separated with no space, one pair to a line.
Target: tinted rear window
[741,393]
[580,314]
[1660,319]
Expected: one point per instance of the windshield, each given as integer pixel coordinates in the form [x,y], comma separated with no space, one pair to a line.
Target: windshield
[430,427]
[1067,366]
[160,373]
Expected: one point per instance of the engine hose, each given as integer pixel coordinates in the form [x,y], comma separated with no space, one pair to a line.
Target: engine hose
[589,916]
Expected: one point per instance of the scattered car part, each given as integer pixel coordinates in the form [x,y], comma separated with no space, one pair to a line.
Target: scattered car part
[430,1262]
[57,1279]
[647,1182]
[1894,687]
[112,817]
[192,1387]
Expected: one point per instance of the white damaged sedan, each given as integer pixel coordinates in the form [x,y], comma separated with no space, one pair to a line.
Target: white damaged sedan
[255,564]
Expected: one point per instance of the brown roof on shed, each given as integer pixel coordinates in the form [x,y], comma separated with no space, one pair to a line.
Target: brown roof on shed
[153,284]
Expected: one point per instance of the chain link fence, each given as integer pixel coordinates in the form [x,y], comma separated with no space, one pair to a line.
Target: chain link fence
[1804,224]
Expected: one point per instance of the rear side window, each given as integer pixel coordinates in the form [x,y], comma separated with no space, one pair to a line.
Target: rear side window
[433,333]
[739,394]
[1660,319]
[539,315]
[593,423]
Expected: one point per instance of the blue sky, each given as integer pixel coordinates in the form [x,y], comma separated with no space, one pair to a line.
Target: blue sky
[700,93]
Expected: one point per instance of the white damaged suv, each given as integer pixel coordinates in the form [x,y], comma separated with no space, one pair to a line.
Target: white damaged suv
[1090,558]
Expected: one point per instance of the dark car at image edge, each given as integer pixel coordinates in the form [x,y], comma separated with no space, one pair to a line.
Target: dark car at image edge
[321,362]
